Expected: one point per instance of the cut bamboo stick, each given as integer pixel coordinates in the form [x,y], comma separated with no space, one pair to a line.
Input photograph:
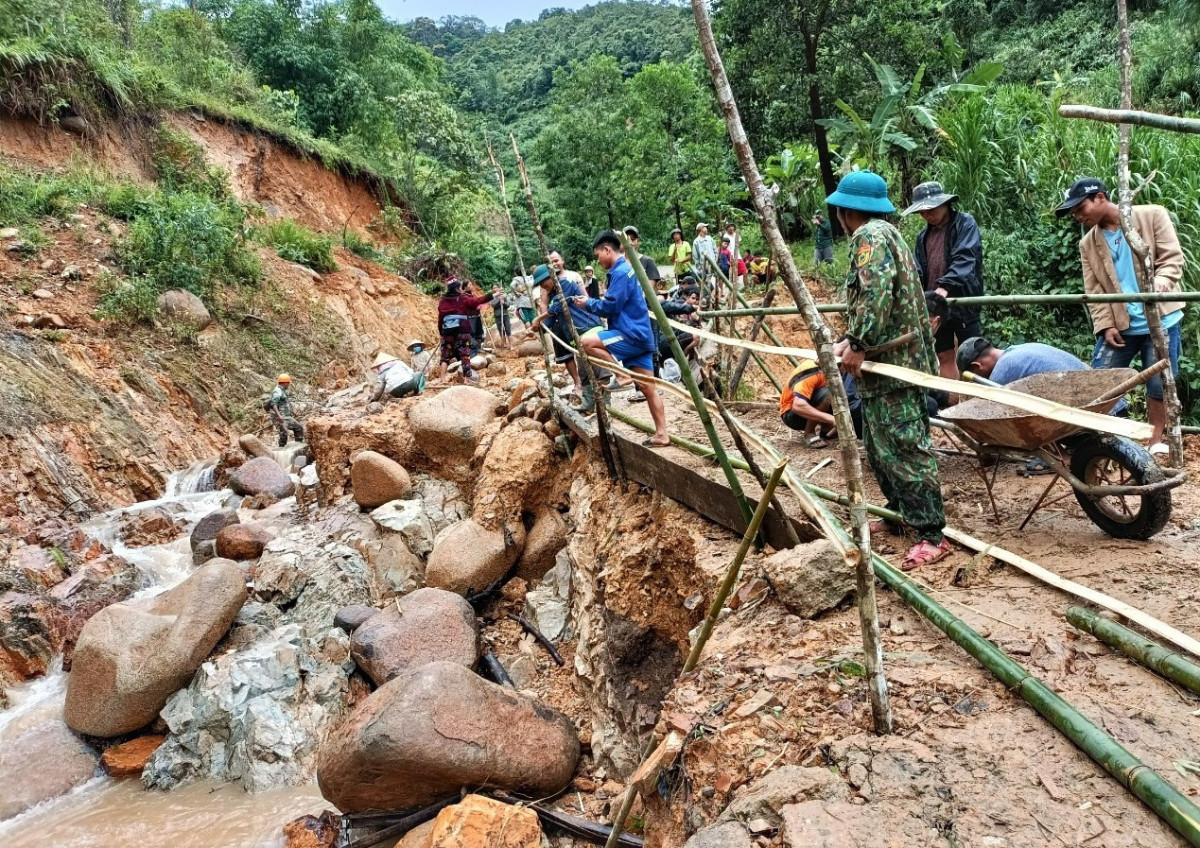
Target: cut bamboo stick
[1137,647]
[1019,400]
[1131,116]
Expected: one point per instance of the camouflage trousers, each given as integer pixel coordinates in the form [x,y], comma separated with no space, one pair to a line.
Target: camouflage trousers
[896,434]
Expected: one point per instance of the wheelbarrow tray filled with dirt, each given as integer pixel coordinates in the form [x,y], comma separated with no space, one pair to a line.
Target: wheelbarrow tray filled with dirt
[992,423]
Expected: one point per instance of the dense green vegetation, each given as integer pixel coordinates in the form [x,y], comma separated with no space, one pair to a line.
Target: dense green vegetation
[614,112]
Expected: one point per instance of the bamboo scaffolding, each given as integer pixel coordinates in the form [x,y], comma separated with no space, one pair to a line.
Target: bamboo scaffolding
[1137,647]
[1143,268]
[1131,116]
[1019,400]
[608,448]
[631,255]
[764,203]
[507,211]
[982,300]
[744,357]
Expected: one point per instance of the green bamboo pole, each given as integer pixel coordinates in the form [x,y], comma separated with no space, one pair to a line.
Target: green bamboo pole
[982,300]
[1131,116]
[678,441]
[735,567]
[758,360]
[1137,647]
[688,380]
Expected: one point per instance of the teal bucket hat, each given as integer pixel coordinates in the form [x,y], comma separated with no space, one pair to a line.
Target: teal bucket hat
[863,191]
[540,274]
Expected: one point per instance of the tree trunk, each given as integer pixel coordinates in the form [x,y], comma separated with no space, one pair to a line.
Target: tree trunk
[764,204]
[1145,273]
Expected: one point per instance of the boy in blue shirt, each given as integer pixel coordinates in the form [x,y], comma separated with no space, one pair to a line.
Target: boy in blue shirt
[630,338]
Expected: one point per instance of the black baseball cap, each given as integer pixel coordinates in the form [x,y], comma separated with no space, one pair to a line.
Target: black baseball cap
[969,351]
[1080,191]
[632,232]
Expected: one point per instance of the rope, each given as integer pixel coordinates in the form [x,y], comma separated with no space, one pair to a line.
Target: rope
[1019,400]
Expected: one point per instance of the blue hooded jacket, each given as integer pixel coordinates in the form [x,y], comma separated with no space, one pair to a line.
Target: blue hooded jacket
[625,307]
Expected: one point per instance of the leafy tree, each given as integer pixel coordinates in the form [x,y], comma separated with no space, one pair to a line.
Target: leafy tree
[794,175]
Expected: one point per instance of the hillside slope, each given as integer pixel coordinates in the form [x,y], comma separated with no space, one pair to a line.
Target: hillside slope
[96,413]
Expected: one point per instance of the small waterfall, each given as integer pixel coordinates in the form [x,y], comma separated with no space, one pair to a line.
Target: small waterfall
[195,480]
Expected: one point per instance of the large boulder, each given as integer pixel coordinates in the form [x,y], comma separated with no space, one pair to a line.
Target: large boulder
[394,569]
[811,578]
[426,626]
[433,730]
[262,475]
[209,526]
[40,763]
[376,479]
[311,577]
[183,307]
[443,501]
[243,541]
[132,656]
[513,474]
[466,556]
[547,537]
[447,426]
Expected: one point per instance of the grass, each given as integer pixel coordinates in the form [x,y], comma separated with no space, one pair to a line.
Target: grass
[297,244]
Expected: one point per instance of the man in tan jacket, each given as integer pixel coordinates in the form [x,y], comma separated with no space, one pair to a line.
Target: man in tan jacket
[1122,334]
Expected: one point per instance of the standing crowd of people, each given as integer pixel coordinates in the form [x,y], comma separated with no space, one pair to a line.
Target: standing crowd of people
[891,291]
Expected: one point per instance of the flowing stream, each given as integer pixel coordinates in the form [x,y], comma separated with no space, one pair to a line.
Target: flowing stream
[116,814]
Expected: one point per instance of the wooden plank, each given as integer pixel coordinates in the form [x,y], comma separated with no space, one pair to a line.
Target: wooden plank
[710,498]
[713,500]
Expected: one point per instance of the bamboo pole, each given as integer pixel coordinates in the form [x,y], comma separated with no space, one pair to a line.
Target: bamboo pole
[1137,647]
[1176,810]
[1131,116]
[735,567]
[982,300]
[512,228]
[1142,619]
[744,356]
[764,204]
[1143,268]
[1018,400]
[608,446]
[748,456]
[758,360]
[631,255]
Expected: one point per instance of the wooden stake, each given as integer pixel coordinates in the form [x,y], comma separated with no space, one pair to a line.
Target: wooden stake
[608,446]
[507,212]
[764,204]
[1143,268]
[744,358]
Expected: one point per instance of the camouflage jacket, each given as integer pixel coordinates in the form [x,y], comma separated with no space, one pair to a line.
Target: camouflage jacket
[886,300]
[279,402]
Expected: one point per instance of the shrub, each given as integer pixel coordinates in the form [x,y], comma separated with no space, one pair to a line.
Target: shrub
[297,244]
[188,241]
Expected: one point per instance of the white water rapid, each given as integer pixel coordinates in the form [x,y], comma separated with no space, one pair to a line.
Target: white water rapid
[105,813]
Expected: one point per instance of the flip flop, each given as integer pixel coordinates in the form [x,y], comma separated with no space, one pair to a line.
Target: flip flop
[924,553]
[649,443]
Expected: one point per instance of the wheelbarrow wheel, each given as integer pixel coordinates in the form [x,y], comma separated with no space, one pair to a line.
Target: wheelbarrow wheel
[1114,461]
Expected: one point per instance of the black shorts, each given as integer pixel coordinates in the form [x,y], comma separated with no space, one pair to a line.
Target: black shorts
[956,330]
[794,421]
[562,353]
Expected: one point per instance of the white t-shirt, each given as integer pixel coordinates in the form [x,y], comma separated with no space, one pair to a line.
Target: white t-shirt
[394,374]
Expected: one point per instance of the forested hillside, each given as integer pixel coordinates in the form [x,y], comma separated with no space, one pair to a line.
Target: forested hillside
[615,115]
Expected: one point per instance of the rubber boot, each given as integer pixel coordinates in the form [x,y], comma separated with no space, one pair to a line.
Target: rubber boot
[588,405]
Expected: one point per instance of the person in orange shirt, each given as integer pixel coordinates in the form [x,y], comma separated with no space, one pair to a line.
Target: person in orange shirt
[805,404]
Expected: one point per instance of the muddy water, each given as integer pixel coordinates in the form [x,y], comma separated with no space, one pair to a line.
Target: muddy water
[115,814]
[112,814]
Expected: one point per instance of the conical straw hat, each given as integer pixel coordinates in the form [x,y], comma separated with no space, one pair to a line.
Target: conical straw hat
[383,359]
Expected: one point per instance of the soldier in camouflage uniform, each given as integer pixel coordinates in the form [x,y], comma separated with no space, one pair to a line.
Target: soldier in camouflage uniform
[885,299]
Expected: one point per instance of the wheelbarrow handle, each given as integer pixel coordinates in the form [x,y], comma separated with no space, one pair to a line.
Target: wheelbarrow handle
[907,338]
[972,377]
[1133,382]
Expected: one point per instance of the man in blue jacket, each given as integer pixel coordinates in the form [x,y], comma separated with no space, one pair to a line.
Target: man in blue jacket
[630,338]
[949,256]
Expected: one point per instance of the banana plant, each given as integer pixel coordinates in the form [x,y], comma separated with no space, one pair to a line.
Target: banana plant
[794,175]
[904,117]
